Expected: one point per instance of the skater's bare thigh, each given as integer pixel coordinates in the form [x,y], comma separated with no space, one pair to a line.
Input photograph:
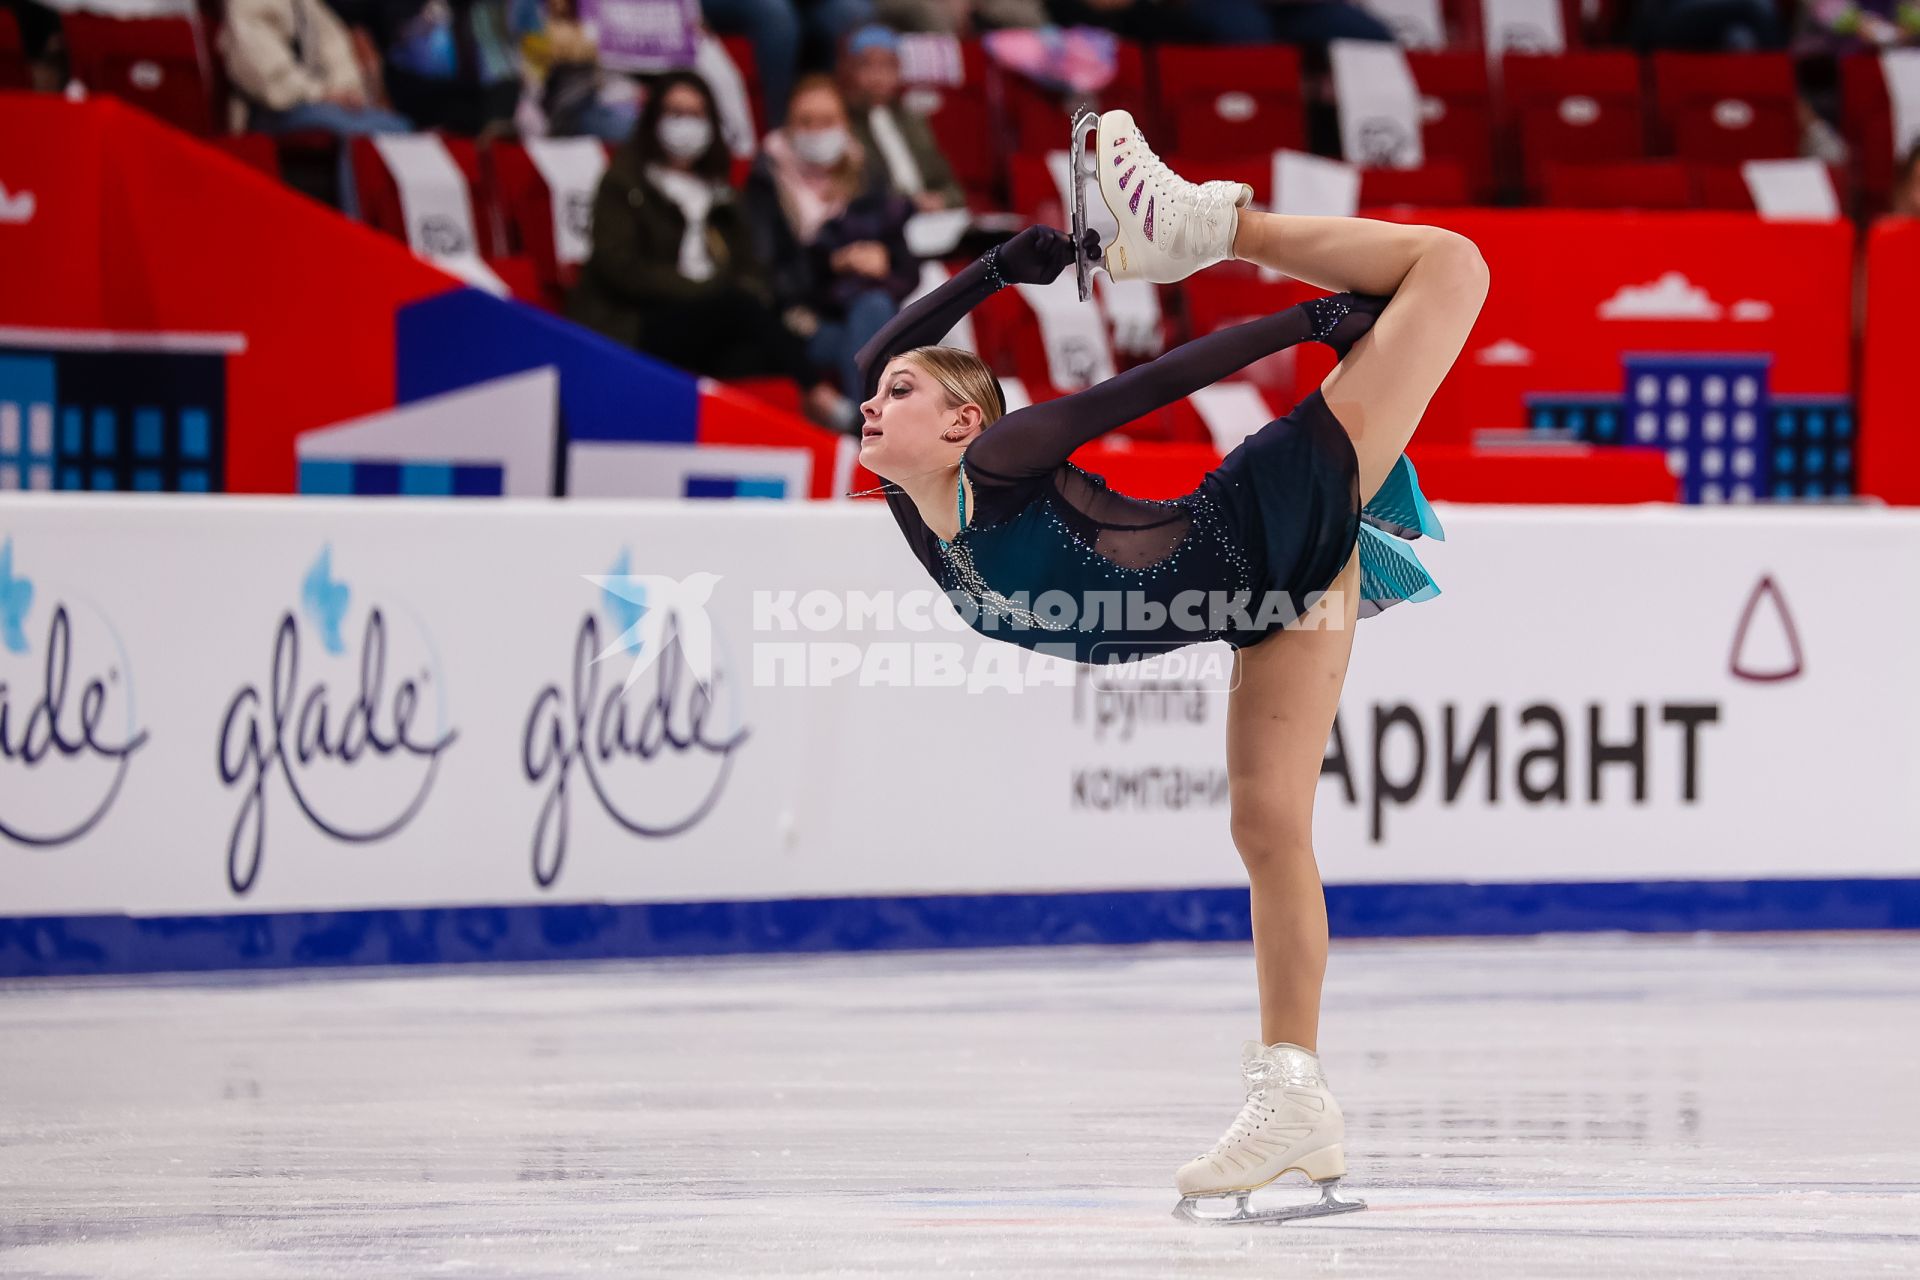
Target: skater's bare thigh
[1279,716]
[1383,386]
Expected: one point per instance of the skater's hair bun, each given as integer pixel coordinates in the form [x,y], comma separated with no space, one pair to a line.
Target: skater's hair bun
[965,378]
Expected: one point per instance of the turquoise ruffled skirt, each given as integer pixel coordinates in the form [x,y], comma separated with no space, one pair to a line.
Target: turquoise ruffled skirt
[1389,570]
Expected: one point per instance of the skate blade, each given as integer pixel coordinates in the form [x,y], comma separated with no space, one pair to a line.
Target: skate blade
[1329,1203]
[1081,169]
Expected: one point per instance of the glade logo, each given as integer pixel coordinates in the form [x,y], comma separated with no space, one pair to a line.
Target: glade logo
[357,762]
[67,729]
[655,757]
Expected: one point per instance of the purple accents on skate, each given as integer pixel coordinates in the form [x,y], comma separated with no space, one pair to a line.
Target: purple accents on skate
[1146,228]
[1118,160]
[1133,205]
[1128,175]
[40,946]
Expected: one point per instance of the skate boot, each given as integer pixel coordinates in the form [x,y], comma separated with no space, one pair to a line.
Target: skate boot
[1290,1124]
[1169,227]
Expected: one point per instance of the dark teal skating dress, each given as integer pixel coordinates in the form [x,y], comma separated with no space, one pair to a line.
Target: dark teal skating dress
[1052,559]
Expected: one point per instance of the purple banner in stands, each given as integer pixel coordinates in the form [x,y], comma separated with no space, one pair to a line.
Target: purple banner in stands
[643,35]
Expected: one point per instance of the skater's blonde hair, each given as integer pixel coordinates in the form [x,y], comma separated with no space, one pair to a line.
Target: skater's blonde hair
[965,378]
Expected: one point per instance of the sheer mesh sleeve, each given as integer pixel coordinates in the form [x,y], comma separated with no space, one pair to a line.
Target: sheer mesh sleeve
[1034,441]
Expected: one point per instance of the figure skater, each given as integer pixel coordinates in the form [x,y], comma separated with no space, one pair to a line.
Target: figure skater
[1306,518]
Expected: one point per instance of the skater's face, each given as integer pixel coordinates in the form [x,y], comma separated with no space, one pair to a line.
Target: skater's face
[911,425]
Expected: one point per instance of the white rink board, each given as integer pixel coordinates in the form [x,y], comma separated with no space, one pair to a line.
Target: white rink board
[173,606]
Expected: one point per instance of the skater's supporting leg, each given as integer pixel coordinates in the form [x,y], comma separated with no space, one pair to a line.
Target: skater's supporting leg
[1279,717]
[1438,282]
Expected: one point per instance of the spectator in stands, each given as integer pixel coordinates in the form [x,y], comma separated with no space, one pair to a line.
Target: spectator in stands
[41,43]
[1836,27]
[295,64]
[960,17]
[897,139]
[777,29]
[1707,26]
[563,70]
[673,271]
[1305,22]
[834,234]
[451,64]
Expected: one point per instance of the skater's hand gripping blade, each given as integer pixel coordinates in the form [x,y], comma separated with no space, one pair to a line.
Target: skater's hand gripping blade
[1330,1202]
[1084,122]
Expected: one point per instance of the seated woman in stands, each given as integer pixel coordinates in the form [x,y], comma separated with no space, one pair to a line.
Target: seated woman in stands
[832,234]
[673,271]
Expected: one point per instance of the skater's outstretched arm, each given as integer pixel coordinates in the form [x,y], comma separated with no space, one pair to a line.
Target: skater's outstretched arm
[1036,256]
[1033,441]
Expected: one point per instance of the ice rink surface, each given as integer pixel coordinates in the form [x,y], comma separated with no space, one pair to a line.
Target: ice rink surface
[1578,1106]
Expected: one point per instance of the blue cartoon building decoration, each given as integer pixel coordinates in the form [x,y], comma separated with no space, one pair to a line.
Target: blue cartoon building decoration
[1727,437]
[105,417]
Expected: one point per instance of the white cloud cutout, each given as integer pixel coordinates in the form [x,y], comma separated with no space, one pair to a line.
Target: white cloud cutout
[1671,297]
[1753,309]
[1504,352]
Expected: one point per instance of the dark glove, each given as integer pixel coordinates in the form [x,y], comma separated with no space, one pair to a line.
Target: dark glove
[1039,254]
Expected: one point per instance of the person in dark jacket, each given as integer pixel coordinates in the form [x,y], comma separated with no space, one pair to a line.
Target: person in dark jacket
[834,235]
[673,271]
[897,138]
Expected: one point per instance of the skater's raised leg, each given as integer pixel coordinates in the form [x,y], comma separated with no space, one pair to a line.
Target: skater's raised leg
[1437,282]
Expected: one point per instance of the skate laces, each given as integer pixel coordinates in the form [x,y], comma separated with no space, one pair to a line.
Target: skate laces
[1204,200]
[1264,1075]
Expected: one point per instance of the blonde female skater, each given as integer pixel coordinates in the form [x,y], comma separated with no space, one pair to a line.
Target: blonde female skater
[1297,533]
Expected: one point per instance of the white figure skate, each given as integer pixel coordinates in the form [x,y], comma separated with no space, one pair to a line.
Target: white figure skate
[1290,1124]
[1169,227]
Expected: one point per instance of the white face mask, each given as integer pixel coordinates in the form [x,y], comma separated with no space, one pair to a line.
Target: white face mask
[685,137]
[821,148]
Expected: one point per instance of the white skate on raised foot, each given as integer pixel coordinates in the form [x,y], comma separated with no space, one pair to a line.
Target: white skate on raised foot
[1169,227]
[1290,1124]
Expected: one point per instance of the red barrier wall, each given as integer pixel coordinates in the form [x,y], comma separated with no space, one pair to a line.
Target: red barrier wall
[1890,364]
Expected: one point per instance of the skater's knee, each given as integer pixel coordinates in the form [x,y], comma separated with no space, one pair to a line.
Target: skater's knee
[1273,843]
[1460,257]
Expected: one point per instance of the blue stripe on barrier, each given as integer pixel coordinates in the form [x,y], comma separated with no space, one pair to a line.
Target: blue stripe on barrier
[55,945]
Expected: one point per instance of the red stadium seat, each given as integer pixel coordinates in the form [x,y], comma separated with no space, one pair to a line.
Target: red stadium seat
[1033,193]
[781,393]
[740,50]
[1723,186]
[1728,106]
[1631,184]
[1219,102]
[380,195]
[963,126]
[156,64]
[1584,105]
[1466,24]
[256,150]
[1867,122]
[1457,106]
[1440,184]
[14,73]
[380,209]
[526,214]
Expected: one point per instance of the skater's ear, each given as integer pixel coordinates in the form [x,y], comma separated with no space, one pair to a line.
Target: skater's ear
[968,420]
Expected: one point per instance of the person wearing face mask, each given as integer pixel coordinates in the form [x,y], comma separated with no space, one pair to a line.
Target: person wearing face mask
[830,230]
[673,271]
